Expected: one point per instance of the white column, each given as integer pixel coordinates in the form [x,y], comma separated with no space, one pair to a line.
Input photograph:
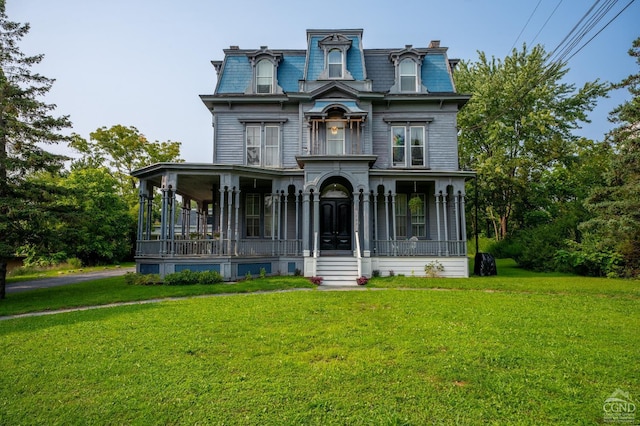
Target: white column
[229,213]
[393,212]
[437,196]
[237,228]
[457,217]
[172,219]
[297,215]
[446,226]
[286,215]
[141,216]
[306,217]
[221,217]
[356,217]
[365,219]
[375,216]
[386,212]
[316,218]
[149,215]
[163,221]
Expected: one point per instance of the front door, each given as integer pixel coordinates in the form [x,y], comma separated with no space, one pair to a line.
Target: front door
[335,224]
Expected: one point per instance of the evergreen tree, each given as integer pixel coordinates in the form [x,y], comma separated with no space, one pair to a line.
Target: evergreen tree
[26,123]
[611,243]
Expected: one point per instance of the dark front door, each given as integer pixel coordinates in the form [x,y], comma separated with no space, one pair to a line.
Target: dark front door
[335,224]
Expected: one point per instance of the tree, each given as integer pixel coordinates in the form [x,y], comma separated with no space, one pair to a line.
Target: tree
[102,229]
[123,149]
[516,126]
[612,237]
[25,123]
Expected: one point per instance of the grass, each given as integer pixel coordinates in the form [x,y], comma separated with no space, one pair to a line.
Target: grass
[28,273]
[113,290]
[533,349]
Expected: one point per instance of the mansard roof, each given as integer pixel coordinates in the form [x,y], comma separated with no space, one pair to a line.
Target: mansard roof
[372,67]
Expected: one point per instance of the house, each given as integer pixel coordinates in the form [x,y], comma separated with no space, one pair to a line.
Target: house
[334,161]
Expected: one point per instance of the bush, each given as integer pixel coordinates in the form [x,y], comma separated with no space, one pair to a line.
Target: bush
[433,269]
[74,262]
[188,277]
[362,280]
[132,278]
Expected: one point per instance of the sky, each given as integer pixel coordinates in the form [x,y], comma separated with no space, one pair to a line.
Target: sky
[144,63]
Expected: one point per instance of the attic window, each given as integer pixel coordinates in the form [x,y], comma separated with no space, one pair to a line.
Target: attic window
[264,76]
[408,75]
[334,63]
[335,47]
[264,65]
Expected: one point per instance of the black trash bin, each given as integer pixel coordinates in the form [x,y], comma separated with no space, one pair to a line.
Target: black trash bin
[485,265]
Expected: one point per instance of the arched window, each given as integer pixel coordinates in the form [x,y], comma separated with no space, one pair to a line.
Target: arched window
[408,76]
[334,62]
[264,77]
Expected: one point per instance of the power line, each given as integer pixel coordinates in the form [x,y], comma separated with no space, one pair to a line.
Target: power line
[525,25]
[545,22]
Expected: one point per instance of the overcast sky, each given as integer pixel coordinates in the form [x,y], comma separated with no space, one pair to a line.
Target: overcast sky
[143,63]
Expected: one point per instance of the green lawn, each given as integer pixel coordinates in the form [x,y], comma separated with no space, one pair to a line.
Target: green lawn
[533,349]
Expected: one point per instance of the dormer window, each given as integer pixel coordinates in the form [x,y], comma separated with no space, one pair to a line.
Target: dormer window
[408,64]
[335,47]
[408,76]
[264,64]
[264,76]
[334,63]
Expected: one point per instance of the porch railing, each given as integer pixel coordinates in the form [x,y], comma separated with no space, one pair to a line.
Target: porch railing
[209,247]
[419,248]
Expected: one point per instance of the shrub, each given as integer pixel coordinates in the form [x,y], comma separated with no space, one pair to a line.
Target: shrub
[132,278]
[433,269]
[376,273]
[316,280]
[74,262]
[263,272]
[187,277]
[210,277]
[362,280]
[297,273]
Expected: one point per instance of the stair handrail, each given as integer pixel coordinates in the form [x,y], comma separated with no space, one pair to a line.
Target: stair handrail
[358,256]
[315,245]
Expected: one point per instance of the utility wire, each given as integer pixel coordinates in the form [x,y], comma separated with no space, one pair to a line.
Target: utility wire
[545,22]
[525,25]
[601,29]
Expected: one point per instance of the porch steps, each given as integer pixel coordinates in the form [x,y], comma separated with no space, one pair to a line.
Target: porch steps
[337,271]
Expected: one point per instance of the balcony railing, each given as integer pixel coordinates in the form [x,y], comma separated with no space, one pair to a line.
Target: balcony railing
[419,248]
[209,247]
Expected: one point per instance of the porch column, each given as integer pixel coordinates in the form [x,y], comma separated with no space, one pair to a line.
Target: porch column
[221,217]
[446,226]
[316,220]
[463,218]
[286,214]
[393,212]
[297,215]
[365,218]
[437,196]
[149,215]
[356,217]
[457,218]
[186,207]
[141,215]
[237,230]
[163,222]
[172,219]
[375,217]
[229,232]
[386,212]
[306,217]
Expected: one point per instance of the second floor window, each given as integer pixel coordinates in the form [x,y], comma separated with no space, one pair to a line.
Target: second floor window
[334,63]
[263,145]
[408,76]
[264,77]
[409,153]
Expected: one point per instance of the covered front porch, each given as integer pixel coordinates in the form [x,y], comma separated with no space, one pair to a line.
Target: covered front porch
[238,220]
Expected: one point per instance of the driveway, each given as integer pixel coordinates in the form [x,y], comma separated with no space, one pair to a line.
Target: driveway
[66,279]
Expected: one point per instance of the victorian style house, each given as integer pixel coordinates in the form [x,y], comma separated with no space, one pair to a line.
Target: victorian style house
[334,161]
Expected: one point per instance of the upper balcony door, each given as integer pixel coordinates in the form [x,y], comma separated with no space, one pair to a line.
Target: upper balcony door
[335,138]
